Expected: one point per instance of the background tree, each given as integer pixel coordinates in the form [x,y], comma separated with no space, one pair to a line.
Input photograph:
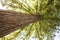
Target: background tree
[49,9]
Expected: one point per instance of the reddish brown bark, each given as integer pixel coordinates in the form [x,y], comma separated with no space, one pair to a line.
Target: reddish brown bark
[11,21]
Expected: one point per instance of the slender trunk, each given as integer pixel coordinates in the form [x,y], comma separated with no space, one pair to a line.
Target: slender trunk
[11,21]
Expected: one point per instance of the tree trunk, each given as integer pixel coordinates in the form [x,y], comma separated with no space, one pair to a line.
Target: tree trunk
[11,21]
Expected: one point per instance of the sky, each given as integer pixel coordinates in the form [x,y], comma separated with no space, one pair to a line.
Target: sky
[57,33]
[2,7]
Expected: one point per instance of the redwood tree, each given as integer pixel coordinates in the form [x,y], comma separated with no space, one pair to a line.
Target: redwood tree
[35,16]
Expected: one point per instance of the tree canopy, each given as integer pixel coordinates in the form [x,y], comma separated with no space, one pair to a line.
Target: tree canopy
[49,9]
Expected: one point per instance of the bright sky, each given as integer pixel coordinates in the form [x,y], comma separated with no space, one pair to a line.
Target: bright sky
[2,7]
[57,33]
[57,37]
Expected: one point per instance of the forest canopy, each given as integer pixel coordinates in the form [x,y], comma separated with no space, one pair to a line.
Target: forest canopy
[49,9]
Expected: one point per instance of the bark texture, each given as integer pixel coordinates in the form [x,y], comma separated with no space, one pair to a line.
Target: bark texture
[11,21]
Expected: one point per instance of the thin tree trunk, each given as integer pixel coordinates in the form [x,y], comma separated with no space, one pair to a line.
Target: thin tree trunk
[11,21]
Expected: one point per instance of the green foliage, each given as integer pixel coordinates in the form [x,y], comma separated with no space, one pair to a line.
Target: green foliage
[50,9]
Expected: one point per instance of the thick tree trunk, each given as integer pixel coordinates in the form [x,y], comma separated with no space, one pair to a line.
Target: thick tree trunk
[11,21]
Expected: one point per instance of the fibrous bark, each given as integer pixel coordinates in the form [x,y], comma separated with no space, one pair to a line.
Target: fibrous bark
[11,21]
